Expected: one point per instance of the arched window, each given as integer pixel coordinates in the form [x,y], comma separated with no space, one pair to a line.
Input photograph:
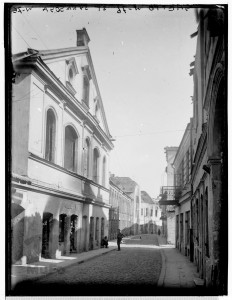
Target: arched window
[86,158]
[71,146]
[96,165]
[86,90]
[104,171]
[50,136]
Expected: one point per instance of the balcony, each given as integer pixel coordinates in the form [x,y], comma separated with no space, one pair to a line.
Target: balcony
[170,195]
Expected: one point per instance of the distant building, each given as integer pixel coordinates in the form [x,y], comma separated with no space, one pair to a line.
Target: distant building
[132,189]
[182,176]
[120,212]
[60,154]
[157,214]
[149,219]
[166,201]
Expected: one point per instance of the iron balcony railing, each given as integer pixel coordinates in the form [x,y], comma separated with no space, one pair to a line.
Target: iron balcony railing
[170,195]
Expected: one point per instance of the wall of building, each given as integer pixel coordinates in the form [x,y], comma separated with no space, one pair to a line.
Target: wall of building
[63,209]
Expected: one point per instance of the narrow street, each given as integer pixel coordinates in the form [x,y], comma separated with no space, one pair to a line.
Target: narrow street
[127,272]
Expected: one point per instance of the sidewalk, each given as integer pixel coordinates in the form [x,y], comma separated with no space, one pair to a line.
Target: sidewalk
[177,272]
[46,266]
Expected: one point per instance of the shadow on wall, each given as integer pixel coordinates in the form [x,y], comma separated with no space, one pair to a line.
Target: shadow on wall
[58,230]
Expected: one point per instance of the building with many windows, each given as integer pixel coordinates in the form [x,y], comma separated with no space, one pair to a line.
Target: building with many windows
[150,214]
[167,197]
[200,192]
[209,180]
[120,212]
[130,188]
[182,187]
[60,154]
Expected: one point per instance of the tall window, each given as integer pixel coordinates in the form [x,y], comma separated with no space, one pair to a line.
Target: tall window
[104,172]
[70,153]
[86,158]
[86,90]
[50,136]
[96,165]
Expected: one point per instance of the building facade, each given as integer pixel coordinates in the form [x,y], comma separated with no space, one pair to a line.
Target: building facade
[120,212]
[209,202]
[182,182]
[167,197]
[60,154]
[150,214]
[200,194]
[132,190]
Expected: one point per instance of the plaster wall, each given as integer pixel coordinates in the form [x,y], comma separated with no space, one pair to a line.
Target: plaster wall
[183,208]
[171,222]
[20,123]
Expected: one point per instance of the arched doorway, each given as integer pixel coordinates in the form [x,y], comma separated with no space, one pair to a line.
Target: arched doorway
[91,233]
[46,234]
[73,233]
[102,227]
[84,232]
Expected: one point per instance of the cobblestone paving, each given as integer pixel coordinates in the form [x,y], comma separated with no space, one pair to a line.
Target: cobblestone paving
[136,267]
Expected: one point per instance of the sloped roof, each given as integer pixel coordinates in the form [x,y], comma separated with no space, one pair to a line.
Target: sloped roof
[124,183]
[146,198]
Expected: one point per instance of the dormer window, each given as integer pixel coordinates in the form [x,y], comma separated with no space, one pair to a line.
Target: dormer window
[97,112]
[86,84]
[72,71]
[86,91]
[70,75]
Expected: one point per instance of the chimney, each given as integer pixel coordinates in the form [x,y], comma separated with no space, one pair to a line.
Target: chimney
[82,37]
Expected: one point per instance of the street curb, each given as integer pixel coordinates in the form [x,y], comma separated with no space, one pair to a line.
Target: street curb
[163,269]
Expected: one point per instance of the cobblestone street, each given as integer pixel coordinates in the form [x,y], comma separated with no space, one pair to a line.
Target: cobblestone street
[131,271]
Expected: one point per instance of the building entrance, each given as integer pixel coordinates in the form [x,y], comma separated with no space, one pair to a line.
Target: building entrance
[73,233]
[46,234]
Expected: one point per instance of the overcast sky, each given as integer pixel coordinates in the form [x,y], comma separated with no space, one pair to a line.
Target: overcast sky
[142,62]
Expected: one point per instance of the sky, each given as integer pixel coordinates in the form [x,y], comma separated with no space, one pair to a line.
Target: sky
[142,62]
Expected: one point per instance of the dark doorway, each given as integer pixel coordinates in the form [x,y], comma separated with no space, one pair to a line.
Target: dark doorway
[46,234]
[91,233]
[102,228]
[73,233]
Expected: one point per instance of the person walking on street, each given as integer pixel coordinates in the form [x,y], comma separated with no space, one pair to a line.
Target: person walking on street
[119,239]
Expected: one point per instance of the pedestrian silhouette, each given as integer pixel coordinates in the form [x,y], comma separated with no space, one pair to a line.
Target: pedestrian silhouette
[119,239]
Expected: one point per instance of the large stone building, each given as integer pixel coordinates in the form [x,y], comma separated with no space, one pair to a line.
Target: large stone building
[60,154]
[121,211]
[209,203]
[131,189]
[201,164]
[182,176]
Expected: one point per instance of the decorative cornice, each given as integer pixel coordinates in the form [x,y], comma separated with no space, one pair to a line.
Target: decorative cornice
[36,63]
[40,188]
[57,167]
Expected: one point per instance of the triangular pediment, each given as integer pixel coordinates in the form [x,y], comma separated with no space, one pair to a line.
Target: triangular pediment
[79,61]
